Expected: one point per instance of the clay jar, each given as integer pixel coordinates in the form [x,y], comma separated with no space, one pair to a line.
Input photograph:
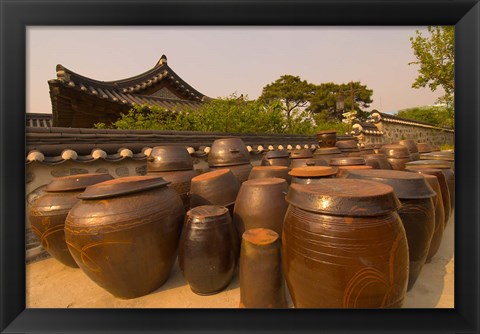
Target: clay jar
[124,234]
[48,213]
[344,170]
[276,158]
[377,161]
[260,204]
[424,148]
[230,153]
[348,147]
[443,188]
[261,279]
[175,165]
[442,155]
[208,249]
[417,211]
[347,161]
[263,172]
[412,148]
[326,153]
[327,138]
[219,187]
[397,156]
[311,174]
[344,245]
[439,216]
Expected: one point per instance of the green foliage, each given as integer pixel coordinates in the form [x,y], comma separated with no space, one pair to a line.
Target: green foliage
[436,115]
[323,122]
[445,147]
[436,56]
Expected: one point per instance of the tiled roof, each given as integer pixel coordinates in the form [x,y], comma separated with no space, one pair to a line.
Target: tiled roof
[38,120]
[384,117]
[57,145]
[365,128]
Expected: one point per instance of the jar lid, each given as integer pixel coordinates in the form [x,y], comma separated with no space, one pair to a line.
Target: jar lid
[312,171]
[395,151]
[406,185]
[260,236]
[76,182]
[205,214]
[276,154]
[301,154]
[346,161]
[123,186]
[442,164]
[344,197]
[447,156]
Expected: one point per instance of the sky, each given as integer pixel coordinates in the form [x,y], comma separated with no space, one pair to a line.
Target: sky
[219,61]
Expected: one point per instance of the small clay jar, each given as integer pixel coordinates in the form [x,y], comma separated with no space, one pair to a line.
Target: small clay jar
[443,188]
[397,156]
[377,161]
[343,171]
[344,245]
[260,204]
[417,211]
[261,278]
[219,187]
[263,172]
[208,249]
[48,213]
[327,138]
[276,158]
[311,174]
[124,234]
[412,148]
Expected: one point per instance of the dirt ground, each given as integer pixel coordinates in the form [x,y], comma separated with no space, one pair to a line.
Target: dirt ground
[49,284]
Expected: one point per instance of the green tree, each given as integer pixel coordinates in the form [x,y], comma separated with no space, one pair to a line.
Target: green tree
[436,115]
[435,55]
[294,95]
[336,99]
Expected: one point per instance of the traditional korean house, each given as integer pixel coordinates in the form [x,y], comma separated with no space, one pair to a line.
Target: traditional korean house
[80,102]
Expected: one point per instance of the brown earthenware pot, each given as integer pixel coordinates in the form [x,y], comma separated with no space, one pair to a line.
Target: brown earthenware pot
[228,152]
[124,234]
[412,148]
[397,156]
[180,181]
[260,204]
[241,172]
[344,245]
[347,144]
[303,153]
[344,170]
[48,213]
[424,148]
[326,153]
[327,138]
[261,279]
[276,158]
[219,187]
[311,174]
[417,211]
[208,249]
[377,161]
[263,172]
[443,187]
[169,158]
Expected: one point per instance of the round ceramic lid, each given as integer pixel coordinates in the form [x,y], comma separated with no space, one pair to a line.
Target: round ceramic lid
[270,168]
[260,236]
[276,154]
[76,182]
[395,151]
[442,164]
[123,186]
[347,161]
[447,156]
[407,185]
[312,171]
[207,213]
[344,197]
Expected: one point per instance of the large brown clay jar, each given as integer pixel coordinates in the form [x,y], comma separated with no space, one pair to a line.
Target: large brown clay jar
[417,212]
[327,138]
[261,204]
[124,234]
[261,278]
[344,170]
[377,161]
[264,172]
[344,245]
[326,153]
[412,148]
[230,153]
[424,148]
[397,155]
[311,174]
[241,172]
[48,213]
[276,158]
[208,249]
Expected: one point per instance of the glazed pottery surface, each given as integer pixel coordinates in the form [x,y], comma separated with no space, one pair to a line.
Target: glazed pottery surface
[347,161]
[442,155]
[262,172]
[124,234]
[219,187]
[327,138]
[344,170]
[344,245]
[307,162]
[412,148]
[261,204]
[346,144]
[276,158]
[261,278]
[311,174]
[417,211]
[48,213]
[208,249]
[228,152]
[377,161]
[169,158]
[424,148]
[241,172]
[179,181]
[303,153]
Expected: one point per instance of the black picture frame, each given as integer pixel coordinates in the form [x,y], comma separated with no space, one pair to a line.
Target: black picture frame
[17,15]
